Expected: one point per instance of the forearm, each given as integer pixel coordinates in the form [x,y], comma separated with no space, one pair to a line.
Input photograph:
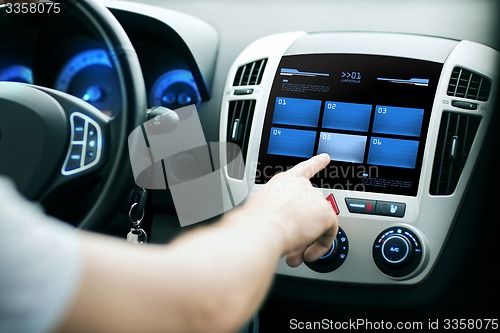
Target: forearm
[235,261]
[212,279]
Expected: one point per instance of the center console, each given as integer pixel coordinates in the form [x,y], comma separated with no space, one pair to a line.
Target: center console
[402,117]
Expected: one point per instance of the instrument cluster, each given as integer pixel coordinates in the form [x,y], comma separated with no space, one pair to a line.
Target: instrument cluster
[74,62]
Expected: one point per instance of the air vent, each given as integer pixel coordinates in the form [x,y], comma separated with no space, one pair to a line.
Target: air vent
[466,84]
[250,74]
[240,118]
[456,134]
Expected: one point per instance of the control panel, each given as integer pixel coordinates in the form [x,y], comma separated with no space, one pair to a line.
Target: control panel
[402,117]
[85,148]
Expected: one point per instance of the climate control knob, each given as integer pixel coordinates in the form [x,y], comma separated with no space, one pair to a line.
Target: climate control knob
[397,251]
[335,256]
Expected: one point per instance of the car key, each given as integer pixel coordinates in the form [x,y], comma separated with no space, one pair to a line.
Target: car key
[136,235]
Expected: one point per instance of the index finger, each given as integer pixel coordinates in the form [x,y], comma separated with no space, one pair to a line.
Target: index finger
[312,166]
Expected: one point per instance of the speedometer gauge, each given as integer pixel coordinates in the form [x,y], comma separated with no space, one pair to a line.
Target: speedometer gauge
[17,73]
[90,76]
[174,89]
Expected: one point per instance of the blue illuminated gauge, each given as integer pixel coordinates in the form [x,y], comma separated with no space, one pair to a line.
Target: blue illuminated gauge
[17,73]
[174,89]
[90,76]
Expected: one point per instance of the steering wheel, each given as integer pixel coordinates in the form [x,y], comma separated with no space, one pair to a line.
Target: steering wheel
[50,140]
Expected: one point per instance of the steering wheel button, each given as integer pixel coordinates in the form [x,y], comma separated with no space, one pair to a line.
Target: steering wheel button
[75,157]
[91,132]
[90,156]
[78,126]
[78,134]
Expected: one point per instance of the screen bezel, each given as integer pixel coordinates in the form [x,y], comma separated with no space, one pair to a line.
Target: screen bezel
[368,90]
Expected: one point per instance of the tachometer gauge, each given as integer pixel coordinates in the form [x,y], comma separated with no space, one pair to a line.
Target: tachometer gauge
[90,76]
[174,89]
[17,73]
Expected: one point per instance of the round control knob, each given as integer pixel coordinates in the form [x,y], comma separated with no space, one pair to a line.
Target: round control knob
[332,253]
[397,251]
[335,256]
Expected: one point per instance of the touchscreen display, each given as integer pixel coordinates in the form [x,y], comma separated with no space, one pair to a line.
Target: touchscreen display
[369,113]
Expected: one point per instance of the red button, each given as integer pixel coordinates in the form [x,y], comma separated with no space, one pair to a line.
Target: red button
[331,200]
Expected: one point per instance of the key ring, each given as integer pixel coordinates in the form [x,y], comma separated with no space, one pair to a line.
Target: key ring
[138,222]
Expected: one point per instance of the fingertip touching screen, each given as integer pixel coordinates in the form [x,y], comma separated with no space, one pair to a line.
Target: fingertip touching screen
[370,113]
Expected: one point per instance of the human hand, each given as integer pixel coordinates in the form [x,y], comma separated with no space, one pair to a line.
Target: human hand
[304,217]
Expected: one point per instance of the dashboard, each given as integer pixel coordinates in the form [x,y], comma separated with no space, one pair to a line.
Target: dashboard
[67,57]
[402,127]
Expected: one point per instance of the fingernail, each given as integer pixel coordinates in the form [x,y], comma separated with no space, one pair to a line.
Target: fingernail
[325,156]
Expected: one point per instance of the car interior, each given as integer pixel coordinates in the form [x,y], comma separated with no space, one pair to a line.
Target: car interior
[401,94]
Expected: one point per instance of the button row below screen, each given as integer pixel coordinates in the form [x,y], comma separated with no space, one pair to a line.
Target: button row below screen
[375,207]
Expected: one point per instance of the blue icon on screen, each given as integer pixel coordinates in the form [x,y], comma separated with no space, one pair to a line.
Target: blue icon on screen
[393,152]
[398,120]
[296,111]
[291,142]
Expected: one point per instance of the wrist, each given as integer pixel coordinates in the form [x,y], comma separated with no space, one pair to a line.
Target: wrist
[266,225]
